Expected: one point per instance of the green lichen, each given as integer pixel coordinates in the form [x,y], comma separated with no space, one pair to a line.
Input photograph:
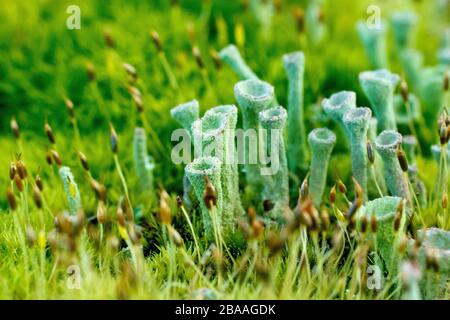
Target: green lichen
[412,63]
[294,64]
[252,96]
[357,123]
[385,210]
[231,56]
[374,42]
[196,171]
[143,163]
[379,87]
[386,145]
[403,24]
[338,104]
[431,93]
[277,187]
[321,142]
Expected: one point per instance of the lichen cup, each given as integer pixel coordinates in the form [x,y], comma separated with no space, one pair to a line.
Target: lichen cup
[321,142]
[403,24]
[387,144]
[231,56]
[357,123]
[379,87]
[197,172]
[338,104]
[434,241]
[276,189]
[385,210]
[374,42]
[252,96]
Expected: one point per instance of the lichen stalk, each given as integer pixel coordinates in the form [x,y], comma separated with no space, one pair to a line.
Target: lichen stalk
[379,87]
[294,64]
[357,123]
[321,142]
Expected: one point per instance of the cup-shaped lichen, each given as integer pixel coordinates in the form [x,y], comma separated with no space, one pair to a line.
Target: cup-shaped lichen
[231,55]
[186,113]
[379,87]
[385,210]
[321,142]
[402,116]
[143,163]
[228,115]
[374,42]
[71,190]
[252,96]
[434,242]
[277,187]
[199,172]
[403,24]
[314,22]
[387,144]
[338,104]
[412,62]
[357,123]
[294,64]
[432,93]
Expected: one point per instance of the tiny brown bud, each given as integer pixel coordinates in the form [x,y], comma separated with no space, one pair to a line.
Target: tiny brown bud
[48,158]
[99,190]
[175,236]
[21,169]
[370,153]
[373,223]
[325,218]
[12,171]
[38,182]
[156,40]
[257,228]
[69,107]
[179,202]
[198,57]
[216,59]
[209,195]
[333,195]
[37,197]
[299,17]
[101,213]
[364,224]
[107,36]
[341,186]
[11,199]
[251,214]
[83,160]
[402,159]
[56,157]
[113,139]
[165,213]
[444,201]
[49,132]
[90,70]
[304,189]
[131,71]
[358,190]
[15,128]
[120,216]
[404,91]
[18,182]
